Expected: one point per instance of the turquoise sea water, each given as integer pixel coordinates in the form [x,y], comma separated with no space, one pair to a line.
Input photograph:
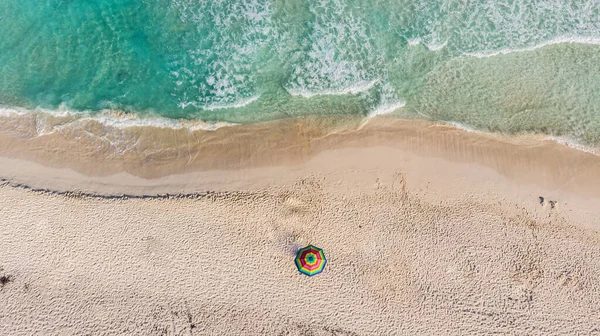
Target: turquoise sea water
[510,65]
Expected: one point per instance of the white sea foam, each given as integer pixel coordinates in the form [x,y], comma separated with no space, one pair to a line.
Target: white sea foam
[569,142]
[220,106]
[61,111]
[356,88]
[216,77]
[574,144]
[414,41]
[386,108]
[115,119]
[240,104]
[382,109]
[462,127]
[123,121]
[436,46]
[557,40]
[342,58]
[9,112]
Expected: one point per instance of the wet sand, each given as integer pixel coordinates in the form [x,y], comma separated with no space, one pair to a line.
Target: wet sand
[428,229]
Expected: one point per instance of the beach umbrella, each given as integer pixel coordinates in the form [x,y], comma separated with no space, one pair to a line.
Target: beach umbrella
[310,260]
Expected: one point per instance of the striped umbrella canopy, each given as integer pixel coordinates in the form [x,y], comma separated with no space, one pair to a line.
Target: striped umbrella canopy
[310,260]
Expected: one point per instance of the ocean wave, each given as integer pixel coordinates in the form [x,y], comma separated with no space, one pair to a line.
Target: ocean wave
[436,46]
[221,106]
[240,104]
[414,41]
[566,141]
[349,90]
[431,45]
[121,121]
[216,77]
[340,56]
[462,127]
[556,40]
[111,118]
[569,142]
[387,108]
[382,109]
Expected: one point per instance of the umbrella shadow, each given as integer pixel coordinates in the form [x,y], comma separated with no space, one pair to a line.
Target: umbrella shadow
[292,244]
[294,248]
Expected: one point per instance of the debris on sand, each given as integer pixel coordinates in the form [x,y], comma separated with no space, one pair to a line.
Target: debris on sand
[4,278]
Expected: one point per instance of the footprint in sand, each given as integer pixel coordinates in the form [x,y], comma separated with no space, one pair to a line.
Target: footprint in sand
[551,203]
[289,231]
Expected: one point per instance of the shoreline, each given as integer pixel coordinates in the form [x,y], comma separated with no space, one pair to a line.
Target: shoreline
[50,121]
[155,160]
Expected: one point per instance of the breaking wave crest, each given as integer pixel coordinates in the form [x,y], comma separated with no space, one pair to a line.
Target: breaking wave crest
[48,121]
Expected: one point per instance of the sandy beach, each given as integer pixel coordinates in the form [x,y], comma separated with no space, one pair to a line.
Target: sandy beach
[428,230]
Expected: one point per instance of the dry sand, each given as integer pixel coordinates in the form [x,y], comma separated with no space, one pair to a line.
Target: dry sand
[428,230]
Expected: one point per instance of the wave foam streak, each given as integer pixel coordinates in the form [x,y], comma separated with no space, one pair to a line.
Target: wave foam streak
[341,55]
[219,68]
[495,26]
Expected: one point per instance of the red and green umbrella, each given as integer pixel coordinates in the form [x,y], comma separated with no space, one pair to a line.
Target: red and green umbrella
[310,260]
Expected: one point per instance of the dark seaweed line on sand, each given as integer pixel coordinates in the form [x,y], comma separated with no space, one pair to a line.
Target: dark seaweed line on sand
[213,195]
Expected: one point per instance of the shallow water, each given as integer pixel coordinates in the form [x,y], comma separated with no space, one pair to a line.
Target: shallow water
[510,66]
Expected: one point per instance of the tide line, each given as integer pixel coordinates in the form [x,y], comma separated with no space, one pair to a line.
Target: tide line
[556,40]
[381,110]
[116,119]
